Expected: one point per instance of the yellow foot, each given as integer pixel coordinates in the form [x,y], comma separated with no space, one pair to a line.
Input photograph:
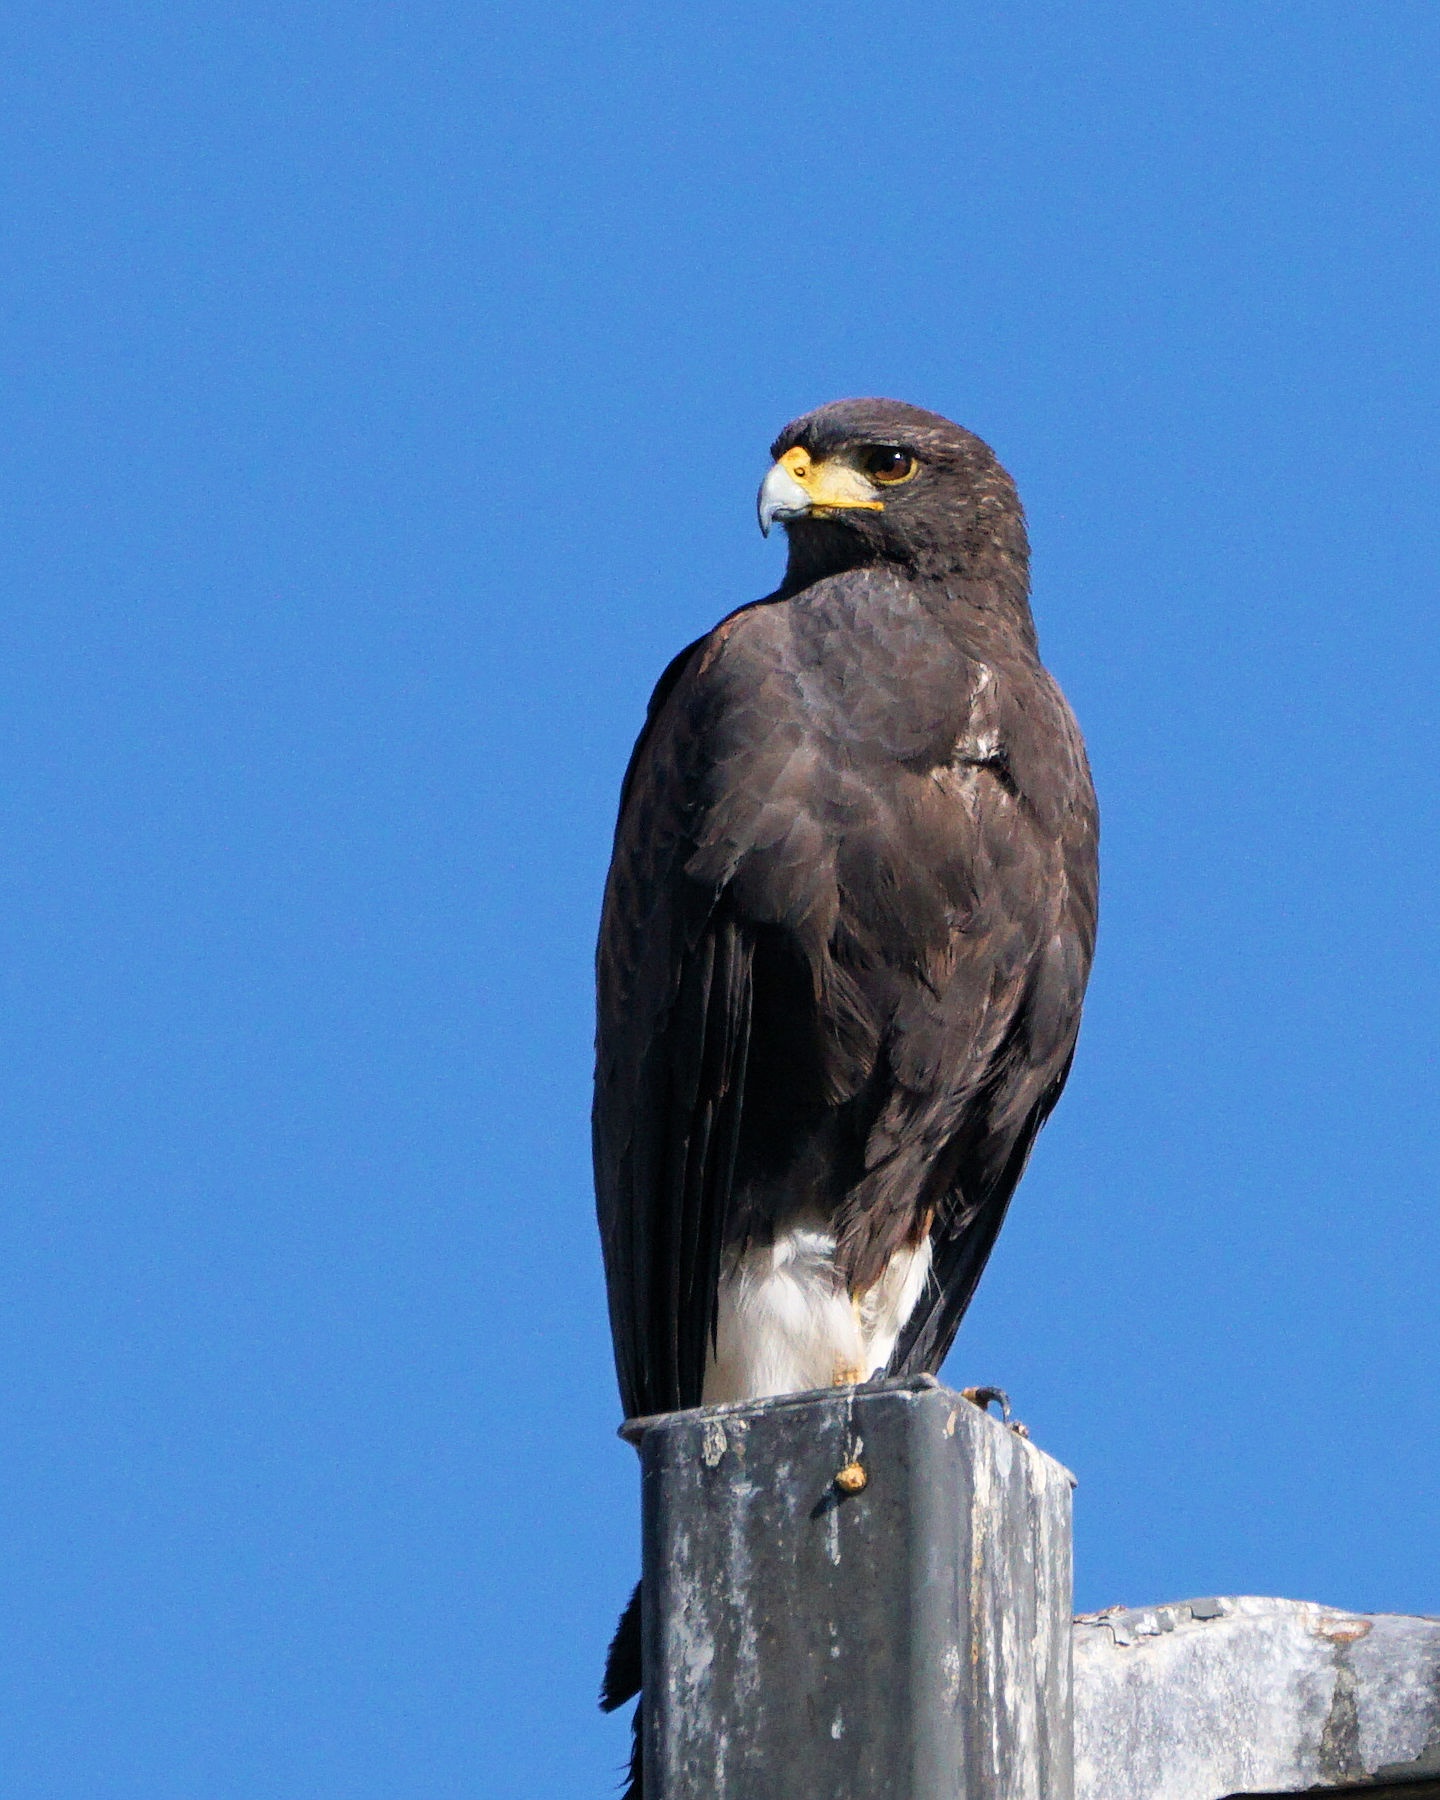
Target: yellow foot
[846,1375]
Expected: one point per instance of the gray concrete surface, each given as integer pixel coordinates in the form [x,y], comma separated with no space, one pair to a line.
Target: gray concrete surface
[1205,1699]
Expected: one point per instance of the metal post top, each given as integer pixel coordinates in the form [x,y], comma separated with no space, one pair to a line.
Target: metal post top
[633,1430]
[923,1392]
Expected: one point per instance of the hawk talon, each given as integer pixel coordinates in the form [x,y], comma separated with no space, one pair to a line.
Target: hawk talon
[984,1397]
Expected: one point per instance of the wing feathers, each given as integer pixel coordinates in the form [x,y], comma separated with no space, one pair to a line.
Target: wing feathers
[827,981]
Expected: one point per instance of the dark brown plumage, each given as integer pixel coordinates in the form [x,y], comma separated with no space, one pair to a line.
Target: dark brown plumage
[851,911]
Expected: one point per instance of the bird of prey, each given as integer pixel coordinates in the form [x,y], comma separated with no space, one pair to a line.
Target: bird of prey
[846,934]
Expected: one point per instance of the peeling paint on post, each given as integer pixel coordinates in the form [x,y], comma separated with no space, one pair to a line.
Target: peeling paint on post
[902,1633]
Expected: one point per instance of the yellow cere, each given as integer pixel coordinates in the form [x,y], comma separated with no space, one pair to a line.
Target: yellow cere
[833,485]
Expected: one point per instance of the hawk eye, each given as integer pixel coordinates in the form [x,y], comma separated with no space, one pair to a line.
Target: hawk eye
[889,465]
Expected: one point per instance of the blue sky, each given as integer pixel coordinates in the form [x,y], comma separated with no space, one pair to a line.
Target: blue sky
[385,393]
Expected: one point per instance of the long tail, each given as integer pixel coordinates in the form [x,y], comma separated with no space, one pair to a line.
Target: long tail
[622,1683]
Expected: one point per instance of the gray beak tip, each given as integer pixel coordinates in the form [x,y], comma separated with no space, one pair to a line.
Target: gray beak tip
[781,497]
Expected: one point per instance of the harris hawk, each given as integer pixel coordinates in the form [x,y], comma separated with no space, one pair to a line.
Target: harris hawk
[845,940]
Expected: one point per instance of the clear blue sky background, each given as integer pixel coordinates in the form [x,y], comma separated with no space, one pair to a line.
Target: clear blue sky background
[385,392]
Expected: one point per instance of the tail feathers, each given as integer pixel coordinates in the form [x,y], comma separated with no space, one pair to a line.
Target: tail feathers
[622,1661]
[636,1788]
[622,1683]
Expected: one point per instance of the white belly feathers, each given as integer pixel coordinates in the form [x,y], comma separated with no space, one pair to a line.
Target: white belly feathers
[785,1322]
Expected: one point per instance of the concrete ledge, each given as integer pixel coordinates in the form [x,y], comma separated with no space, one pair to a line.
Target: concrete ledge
[1207,1699]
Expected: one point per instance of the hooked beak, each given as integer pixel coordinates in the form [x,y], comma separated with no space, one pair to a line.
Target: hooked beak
[797,485]
[781,497]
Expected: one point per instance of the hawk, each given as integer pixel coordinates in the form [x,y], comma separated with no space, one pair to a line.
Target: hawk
[845,939]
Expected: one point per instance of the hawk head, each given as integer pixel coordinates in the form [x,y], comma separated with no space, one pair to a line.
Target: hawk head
[863,481]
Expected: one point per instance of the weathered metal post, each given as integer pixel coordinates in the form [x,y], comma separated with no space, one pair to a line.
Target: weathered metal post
[899,1633]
